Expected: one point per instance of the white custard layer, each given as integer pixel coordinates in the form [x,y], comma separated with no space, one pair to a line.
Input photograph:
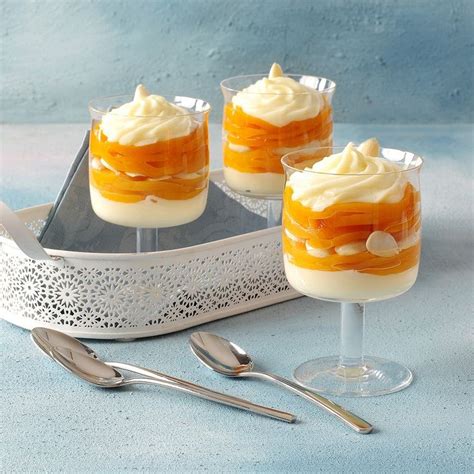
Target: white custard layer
[259,184]
[348,285]
[152,212]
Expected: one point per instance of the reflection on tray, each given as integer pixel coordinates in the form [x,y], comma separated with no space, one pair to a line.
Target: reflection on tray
[73,225]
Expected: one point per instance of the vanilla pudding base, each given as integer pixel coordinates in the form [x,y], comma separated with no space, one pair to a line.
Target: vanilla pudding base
[152,212]
[348,285]
[258,184]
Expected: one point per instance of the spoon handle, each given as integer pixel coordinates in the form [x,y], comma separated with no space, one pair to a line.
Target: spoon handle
[355,422]
[202,392]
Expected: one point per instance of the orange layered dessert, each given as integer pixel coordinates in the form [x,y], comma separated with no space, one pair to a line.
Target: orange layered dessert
[266,120]
[149,163]
[351,227]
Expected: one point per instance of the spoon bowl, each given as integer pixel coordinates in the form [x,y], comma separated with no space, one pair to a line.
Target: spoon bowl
[92,370]
[220,355]
[46,339]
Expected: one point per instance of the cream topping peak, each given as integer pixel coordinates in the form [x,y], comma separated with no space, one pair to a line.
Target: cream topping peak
[275,71]
[349,176]
[279,100]
[146,119]
[141,93]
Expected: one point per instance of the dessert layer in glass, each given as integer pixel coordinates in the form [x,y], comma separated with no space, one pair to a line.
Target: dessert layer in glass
[155,171]
[266,120]
[339,247]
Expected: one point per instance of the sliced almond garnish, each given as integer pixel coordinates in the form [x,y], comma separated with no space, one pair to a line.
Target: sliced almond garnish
[292,237]
[109,167]
[96,164]
[316,252]
[275,71]
[370,147]
[352,248]
[382,244]
[238,148]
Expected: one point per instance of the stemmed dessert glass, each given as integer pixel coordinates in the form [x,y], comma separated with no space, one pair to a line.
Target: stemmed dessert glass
[352,253]
[159,185]
[252,148]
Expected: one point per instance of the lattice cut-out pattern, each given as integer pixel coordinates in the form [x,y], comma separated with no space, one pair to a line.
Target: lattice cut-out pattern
[118,295]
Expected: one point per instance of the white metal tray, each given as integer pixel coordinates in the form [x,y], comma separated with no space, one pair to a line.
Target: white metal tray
[128,295]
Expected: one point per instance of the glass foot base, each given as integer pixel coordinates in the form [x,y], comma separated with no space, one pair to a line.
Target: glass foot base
[376,377]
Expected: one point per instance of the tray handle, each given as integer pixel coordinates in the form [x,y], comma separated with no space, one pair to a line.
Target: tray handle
[23,237]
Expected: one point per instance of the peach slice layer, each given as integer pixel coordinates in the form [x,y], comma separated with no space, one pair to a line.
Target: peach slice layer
[263,139]
[158,167]
[345,223]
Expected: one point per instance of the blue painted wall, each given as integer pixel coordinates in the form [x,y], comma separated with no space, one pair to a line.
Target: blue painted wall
[394,61]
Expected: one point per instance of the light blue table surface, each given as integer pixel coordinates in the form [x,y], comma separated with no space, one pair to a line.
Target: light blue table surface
[52,422]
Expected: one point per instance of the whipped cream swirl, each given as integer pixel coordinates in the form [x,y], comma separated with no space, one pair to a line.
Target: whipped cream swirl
[349,176]
[145,120]
[279,100]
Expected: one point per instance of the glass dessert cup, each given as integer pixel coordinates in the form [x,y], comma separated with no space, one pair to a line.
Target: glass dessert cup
[252,147]
[352,253]
[155,185]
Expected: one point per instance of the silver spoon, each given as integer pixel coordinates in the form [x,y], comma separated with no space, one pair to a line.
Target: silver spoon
[228,359]
[46,339]
[83,362]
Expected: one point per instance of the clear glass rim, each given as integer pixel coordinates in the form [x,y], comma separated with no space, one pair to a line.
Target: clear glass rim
[94,108]
[326,90]
[337,149]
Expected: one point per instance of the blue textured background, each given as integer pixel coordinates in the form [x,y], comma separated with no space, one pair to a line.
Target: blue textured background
[394,62]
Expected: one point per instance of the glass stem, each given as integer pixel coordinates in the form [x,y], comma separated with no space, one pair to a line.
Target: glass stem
[352,335]
[147,240]
[273,212]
